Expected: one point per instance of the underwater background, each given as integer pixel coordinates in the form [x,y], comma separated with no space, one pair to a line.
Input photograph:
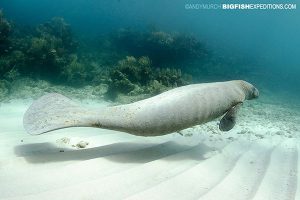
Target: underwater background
[102,53]
[139,48]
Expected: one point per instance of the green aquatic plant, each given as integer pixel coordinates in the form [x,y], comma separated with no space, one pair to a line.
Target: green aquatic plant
[4,66]
[171,77]
[161,38]
[156,87]
[49,52]
[10,65]
[12,75]
[58,28]
[119,84]
[4,89]
[128,75]
[50,49]
[164,49]
[5,32]
[138,71]
[42,58]
[135,76]
[75,72]
[7,61]
[17,58]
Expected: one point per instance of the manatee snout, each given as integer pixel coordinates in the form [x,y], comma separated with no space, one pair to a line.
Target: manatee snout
[255,93]
[251,92]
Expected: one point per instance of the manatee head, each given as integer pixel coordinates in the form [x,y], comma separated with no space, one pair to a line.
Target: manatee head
[251,92]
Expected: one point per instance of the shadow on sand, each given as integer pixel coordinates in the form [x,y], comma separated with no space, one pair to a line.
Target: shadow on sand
[126,152]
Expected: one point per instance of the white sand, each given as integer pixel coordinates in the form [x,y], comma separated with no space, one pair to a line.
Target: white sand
[258,159]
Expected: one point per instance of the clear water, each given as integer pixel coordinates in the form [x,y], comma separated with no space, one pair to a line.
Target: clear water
[119,51]
[265,42]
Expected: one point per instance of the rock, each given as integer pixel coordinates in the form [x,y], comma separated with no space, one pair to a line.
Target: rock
[81,144]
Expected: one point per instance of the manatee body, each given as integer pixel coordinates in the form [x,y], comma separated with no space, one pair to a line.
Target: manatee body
[171,111]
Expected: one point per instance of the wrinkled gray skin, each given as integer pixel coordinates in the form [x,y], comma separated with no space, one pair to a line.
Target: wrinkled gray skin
[171,111]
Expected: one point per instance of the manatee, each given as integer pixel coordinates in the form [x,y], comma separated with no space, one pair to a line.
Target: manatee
[168,112]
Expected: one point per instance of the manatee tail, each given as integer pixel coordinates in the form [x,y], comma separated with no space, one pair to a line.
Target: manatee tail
[54,111]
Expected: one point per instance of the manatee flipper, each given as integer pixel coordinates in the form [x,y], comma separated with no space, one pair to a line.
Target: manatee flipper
[54,111]
[229,119]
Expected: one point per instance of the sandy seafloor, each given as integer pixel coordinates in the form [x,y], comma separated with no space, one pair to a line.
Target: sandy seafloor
[258,159]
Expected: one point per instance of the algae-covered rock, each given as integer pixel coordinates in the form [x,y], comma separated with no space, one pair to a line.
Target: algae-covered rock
[82,144]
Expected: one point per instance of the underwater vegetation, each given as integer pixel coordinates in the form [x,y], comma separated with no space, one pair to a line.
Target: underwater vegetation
[162,48]
[5,31]
[124,62]
[50,48]
[4,89]
[74,72]
[135,76]
[42,52]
